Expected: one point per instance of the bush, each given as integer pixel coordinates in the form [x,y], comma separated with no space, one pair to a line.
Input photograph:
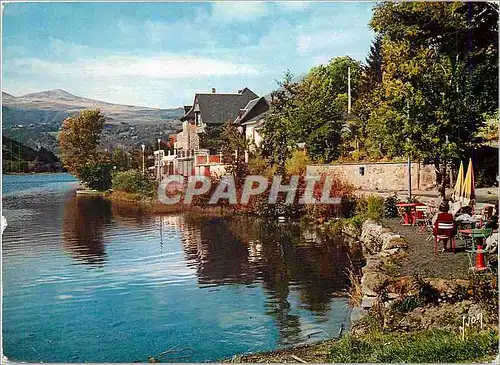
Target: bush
[96,176]
[297,163]
[133,181]
[370,207]
[390,209]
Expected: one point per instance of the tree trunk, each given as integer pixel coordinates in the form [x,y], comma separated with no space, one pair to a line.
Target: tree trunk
[443,181]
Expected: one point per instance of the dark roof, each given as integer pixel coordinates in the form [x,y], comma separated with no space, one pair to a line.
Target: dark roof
[188,115]
[255,109]
[187,108]
[219,108]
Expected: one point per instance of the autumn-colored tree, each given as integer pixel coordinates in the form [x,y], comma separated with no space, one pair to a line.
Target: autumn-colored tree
[79,138]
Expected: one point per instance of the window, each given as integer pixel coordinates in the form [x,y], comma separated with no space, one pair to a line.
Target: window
[361,170]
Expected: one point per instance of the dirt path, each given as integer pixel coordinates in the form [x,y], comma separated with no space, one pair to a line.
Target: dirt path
[421,259]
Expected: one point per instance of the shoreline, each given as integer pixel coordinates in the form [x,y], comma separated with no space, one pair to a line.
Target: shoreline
[381,248]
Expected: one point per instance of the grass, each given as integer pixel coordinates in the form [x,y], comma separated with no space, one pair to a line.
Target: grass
[355,292]
[430,346]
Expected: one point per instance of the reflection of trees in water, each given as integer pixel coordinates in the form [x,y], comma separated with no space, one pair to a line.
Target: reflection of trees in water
[83,228]
[220,255]
[131,215]
[243,249]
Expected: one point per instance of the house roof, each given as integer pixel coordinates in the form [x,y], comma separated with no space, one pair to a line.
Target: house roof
[255,110]
[187,108]
[219,108]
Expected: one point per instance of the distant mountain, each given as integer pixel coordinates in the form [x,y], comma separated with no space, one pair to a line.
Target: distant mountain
[53,106]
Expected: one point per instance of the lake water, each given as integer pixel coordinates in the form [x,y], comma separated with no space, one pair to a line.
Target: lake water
[85,280]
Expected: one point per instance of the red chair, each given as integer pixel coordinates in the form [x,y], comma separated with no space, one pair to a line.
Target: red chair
[420,219]
[445,231]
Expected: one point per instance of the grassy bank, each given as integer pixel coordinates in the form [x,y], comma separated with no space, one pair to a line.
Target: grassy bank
[430,346]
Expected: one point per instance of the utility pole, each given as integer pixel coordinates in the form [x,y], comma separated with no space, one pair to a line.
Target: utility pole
[409,153]
[143,146]
[348,90]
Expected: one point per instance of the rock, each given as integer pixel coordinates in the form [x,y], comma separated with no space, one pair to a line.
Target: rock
[368,302]
[356,314]
[394,241]
[374,281]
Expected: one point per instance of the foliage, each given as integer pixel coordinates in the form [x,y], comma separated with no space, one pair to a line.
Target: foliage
[340,189]
[297,163]
[370,207]
[435,87]
[278,132]
[431,346]
[390,209]
[95,175]
[78,140]
[233,145]
[211,138]
[133,181]
[120,159]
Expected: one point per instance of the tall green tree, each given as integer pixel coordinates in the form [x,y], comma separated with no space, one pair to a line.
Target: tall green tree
[120,159]
[440,75]
[279,131]
[322,107]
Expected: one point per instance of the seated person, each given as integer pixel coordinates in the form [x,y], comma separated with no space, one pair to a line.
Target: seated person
[443,217]
[492,243]
[493,223]
[455,206]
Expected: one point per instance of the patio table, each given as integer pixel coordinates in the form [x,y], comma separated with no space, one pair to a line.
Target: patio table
[478,235]
[408,216]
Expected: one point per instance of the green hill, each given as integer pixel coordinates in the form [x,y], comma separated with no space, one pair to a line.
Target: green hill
[17,157]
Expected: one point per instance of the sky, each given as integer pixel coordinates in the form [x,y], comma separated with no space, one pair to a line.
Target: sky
[161,54]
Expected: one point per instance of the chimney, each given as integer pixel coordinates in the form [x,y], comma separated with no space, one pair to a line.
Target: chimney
[213,90]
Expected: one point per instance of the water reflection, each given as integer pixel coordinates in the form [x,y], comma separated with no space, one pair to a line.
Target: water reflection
[281,256]
[292,263]
[85,219]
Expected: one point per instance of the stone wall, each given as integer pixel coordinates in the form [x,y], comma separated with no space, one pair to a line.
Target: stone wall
[188,139]
[380,176]
[381,246]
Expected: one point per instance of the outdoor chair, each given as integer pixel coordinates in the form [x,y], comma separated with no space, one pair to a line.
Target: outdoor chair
[420,219]
[432,206]
[445,231]
[401,214]
[470,236]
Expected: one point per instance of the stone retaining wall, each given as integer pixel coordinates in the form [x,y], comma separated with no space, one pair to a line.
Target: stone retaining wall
[380,176]
[381,246]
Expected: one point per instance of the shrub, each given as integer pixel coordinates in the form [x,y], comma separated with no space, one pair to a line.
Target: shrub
[390,209]
[133,181]
[297,163]
[370,207]
[339,188]
[95,176]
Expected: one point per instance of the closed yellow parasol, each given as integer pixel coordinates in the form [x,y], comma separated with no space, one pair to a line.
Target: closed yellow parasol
[457,191]
[468,188]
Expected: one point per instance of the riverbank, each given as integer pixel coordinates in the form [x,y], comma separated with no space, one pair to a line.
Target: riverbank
[400,317]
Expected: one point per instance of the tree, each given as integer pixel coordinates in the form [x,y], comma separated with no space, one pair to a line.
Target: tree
[120,159]
[440,75]
[322,107]
[78,140]
[233,147]
[279,134]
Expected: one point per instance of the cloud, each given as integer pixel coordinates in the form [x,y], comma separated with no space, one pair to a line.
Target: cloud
[161,67]
[241,11]
[318,41]
[293,5]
